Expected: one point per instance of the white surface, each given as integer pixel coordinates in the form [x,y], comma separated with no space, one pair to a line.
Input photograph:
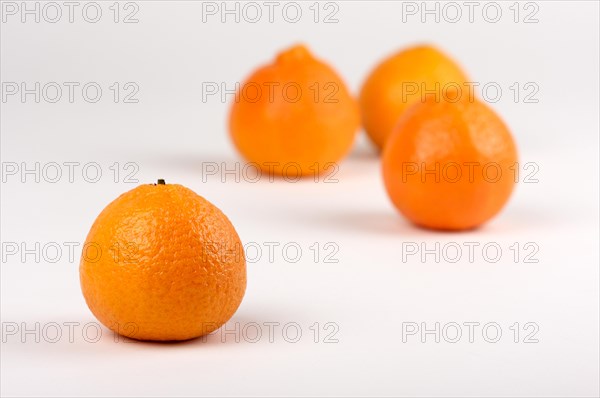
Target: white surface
[370,292]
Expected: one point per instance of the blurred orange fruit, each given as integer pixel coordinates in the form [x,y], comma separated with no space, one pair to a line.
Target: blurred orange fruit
[449,165]
[162,263]
[406,77]
[294,115]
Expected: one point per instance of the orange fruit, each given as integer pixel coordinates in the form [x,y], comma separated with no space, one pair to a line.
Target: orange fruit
[449,164]
[162,263]
[294,116]
[406,77]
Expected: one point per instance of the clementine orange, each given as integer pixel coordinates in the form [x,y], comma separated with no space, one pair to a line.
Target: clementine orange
[162,263]
[294,115]
[449,164]
[406,77]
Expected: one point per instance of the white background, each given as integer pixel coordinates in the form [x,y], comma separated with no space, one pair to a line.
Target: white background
[370,292]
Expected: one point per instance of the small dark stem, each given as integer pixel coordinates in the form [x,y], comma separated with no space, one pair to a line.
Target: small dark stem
[161,182]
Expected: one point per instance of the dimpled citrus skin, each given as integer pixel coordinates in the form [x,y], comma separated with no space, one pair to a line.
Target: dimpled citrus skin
[466,133]
[319,128]
[387,91]
[179,273]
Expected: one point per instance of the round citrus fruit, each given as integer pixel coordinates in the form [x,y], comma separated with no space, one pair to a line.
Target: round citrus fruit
[294,116]
[162,263]
[401,80]
[449,164]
